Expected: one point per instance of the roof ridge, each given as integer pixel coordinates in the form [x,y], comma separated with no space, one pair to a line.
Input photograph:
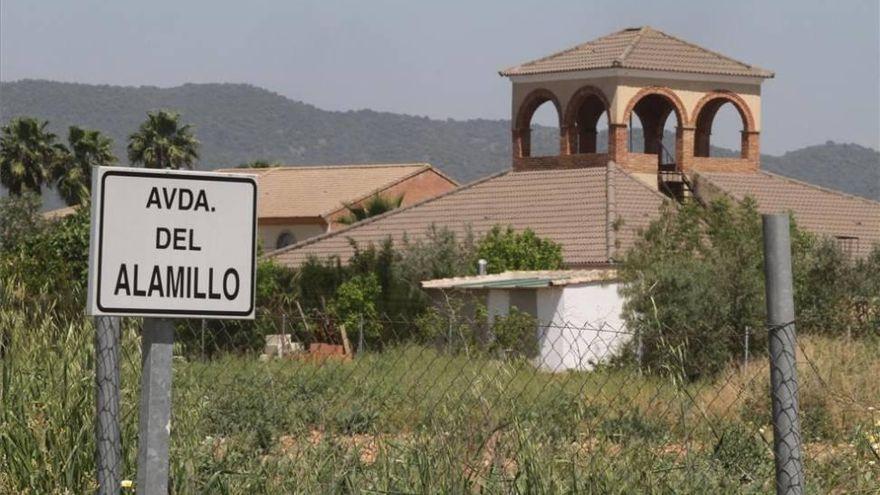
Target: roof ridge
[713,52]
[632,45]
[561,52]
[370,220]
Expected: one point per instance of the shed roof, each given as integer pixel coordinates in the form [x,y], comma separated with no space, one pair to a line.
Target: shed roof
[318,191]
[638,48]
[523,279]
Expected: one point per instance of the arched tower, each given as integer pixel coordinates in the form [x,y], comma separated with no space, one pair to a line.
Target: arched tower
[637,73]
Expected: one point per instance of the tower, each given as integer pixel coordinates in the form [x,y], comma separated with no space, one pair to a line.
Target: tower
[638,73]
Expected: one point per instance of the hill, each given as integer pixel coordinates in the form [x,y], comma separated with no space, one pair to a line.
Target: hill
[238,123]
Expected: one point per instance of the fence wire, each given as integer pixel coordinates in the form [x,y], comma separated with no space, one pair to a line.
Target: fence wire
[300,402]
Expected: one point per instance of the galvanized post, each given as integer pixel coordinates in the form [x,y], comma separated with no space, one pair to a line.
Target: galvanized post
[746,348]
[204,324]
[360,348]
[154,430]
[108,439]
[283,335]
[783,365]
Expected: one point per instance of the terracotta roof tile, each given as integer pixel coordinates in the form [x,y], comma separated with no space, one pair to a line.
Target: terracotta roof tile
[818,210]
[568,206]
[316,191]
[638,48]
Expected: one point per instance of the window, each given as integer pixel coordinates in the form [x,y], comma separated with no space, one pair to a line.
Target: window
[284,239]
[848,245]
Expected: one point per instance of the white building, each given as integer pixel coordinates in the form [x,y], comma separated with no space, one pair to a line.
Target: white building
[578,312]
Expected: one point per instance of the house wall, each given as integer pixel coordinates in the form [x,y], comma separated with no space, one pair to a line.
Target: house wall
[579,326]
[301,230]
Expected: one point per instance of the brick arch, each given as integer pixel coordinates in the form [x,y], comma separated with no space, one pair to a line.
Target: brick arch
[680,112]
[703,118]
[575,138]
[653,119]
[728,97]
[522,132]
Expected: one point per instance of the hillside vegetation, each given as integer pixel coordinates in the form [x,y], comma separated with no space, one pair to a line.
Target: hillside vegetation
[238,123]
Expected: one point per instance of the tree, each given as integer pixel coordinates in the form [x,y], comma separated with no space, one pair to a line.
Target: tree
[27,154]
[694,284]
[506,249]
[162,142]
[375,205]
[73,173]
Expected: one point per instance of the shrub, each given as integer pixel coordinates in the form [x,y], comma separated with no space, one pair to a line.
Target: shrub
[694,283]
[506,249]
[515,335]
[355,306]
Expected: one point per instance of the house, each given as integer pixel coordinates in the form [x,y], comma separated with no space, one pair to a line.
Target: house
[593,201]
[297,203]
[577,312]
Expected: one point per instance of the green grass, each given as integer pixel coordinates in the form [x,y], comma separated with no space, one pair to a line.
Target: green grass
[415,420]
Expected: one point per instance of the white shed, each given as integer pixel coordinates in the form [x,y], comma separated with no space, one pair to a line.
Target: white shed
[578,312]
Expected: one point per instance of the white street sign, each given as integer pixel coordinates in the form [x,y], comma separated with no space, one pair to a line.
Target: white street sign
[173,244]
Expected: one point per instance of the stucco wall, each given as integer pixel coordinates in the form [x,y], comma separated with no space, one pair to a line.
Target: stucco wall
[579,326]
[301,231]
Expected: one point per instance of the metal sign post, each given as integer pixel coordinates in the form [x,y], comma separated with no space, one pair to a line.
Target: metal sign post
[154,422]
[167,244]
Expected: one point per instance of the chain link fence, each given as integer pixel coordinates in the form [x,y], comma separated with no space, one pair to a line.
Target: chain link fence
[301,402]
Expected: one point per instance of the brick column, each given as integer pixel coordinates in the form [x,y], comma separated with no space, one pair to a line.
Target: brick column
[522,143]
[587,140]
[565,140]
[701,142]
[750,148]
[617,148]
[684,147]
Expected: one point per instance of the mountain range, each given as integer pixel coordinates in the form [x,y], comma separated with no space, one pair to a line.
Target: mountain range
[239,123]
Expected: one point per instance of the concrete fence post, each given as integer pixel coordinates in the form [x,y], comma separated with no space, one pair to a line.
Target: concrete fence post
[779,288]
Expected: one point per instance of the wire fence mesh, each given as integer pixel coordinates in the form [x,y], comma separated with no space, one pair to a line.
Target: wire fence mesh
[450,402]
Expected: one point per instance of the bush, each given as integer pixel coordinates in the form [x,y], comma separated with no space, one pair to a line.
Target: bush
[694,283]
[506,249]
[515,335]
[355,306]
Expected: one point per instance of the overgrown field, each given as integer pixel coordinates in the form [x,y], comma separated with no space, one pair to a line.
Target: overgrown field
[416,420]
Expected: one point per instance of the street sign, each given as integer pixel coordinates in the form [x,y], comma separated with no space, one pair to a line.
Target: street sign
[172,244]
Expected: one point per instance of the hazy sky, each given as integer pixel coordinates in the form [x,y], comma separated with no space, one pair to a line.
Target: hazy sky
[441,58]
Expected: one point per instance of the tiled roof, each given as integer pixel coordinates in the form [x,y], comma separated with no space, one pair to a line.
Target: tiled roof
[818,210]
[316,191]
[638,48]
[567,206]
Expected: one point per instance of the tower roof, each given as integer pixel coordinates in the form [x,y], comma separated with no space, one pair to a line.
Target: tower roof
[638,48]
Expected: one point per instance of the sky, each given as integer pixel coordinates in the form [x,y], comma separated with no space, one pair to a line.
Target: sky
[441,58]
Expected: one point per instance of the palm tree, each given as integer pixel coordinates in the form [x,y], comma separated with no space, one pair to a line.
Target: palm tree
[27,154]
[73,174]
[376,205]
[161,142]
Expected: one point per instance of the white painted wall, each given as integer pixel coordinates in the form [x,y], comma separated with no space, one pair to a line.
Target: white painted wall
[579,325]
[497,304]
